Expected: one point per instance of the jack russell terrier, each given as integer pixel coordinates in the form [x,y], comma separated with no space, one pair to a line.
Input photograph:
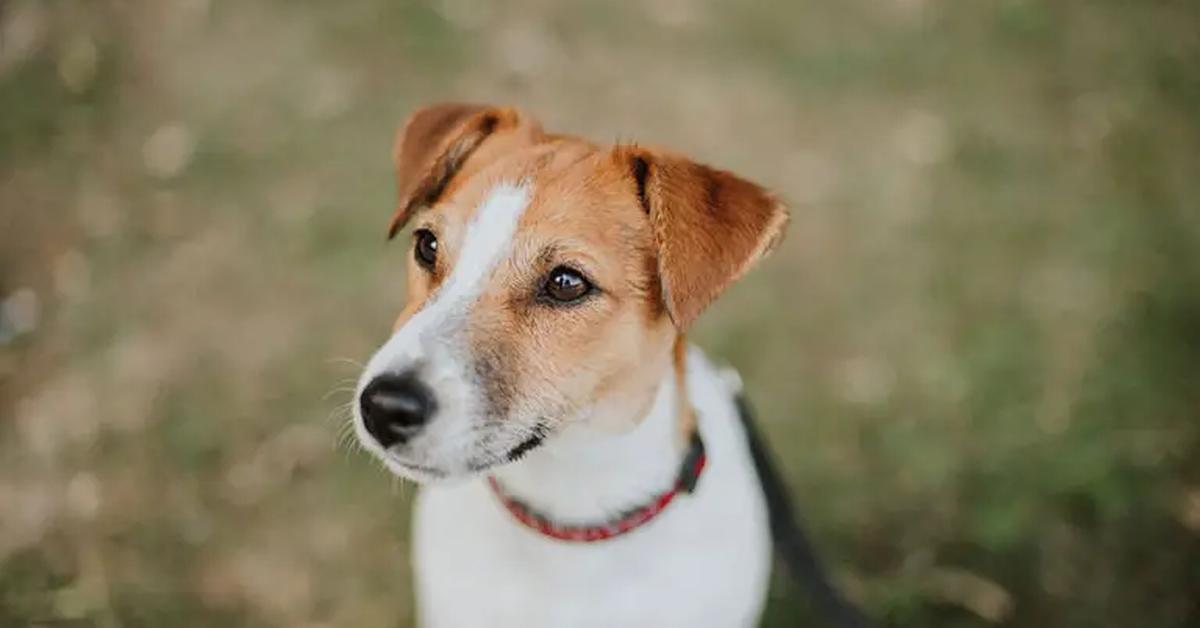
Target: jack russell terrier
[584,466]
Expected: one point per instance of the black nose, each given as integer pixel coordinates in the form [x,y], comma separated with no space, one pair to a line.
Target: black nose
[394,407]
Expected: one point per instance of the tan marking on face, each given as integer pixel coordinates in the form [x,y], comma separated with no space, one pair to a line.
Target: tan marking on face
[602,355]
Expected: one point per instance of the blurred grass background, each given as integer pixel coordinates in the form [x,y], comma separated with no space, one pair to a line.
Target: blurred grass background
[977,354]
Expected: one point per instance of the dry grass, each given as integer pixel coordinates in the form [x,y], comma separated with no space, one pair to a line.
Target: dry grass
[978,352]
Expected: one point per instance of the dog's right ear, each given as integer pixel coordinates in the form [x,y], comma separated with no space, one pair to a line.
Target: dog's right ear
[432,146]
[710,226]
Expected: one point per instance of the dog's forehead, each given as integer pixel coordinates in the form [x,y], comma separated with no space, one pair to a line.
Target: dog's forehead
[572,188]
[579,190]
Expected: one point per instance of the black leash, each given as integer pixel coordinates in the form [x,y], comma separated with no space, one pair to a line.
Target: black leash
[791,541]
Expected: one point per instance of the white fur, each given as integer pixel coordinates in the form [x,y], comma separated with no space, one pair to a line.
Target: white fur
[433,340]
[703,563]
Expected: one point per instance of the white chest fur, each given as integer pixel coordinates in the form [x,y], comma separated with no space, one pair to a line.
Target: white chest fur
[703,563]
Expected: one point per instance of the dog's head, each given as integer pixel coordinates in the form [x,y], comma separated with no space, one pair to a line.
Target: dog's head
[548,280]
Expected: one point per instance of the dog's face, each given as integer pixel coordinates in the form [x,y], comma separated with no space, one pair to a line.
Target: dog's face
[547,283]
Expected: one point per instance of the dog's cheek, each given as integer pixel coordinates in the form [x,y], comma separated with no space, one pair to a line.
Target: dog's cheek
[566,349]
[496,374]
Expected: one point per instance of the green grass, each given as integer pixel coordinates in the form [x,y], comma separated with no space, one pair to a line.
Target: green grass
[977,354]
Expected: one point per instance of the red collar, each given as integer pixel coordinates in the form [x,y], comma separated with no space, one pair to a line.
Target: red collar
[685,482]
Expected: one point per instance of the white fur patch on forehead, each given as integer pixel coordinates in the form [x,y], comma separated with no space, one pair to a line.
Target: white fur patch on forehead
[488,239]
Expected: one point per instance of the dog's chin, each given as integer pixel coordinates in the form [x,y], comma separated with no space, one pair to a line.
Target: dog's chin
[481,463]
[419,473]
[432,475]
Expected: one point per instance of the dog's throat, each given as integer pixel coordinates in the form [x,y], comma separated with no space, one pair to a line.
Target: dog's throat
[632,518]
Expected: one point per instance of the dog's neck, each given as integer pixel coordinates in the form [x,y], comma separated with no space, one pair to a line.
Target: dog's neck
[586,473]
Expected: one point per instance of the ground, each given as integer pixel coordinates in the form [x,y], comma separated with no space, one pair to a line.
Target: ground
[977,353]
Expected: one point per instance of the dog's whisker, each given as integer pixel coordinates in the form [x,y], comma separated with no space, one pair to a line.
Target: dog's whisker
[347,438]
[349,361]
[343,412]
[337,391]
[345,432]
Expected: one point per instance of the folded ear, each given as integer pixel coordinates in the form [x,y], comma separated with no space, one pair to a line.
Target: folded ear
[710,226]
[433,145]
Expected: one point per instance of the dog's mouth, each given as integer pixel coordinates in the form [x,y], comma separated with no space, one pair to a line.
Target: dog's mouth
[529,444]
[431,473]
[417,472]
[535,439]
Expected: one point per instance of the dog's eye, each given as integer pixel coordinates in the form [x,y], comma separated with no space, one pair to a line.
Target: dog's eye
[565,285]
[426,248]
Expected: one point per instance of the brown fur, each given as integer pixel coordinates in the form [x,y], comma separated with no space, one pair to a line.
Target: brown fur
[433,145]
[710,227]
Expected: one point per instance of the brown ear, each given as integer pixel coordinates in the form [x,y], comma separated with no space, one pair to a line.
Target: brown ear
[710,226]
[432,146]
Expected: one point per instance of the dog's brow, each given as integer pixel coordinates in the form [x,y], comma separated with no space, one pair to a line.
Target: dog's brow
[425,219]
[548,254]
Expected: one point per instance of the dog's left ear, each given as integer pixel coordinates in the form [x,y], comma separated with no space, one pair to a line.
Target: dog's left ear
[436,142]
[710,226]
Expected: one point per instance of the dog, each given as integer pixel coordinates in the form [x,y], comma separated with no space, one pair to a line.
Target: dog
[582,464]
